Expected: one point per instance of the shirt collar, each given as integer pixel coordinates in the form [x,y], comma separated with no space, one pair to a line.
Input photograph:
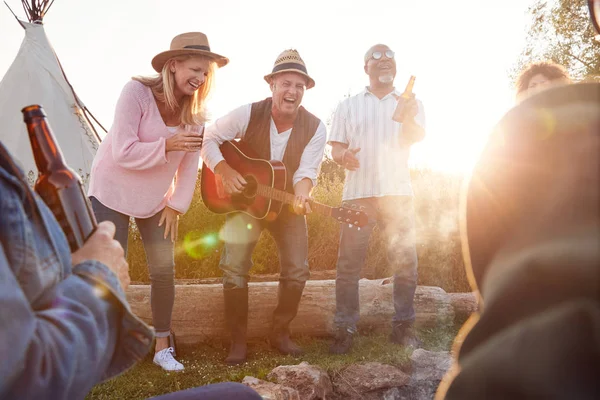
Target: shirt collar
[395,92]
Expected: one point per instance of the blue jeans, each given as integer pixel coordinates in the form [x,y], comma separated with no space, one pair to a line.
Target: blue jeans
[395,217]
[240,234]
[215,391]
[160,258]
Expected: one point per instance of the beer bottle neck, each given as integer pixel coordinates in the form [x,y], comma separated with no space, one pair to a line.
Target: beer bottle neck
[46,153]
[407,94]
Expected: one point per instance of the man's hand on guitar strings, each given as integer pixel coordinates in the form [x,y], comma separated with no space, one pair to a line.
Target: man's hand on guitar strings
[233,182]
[302,204]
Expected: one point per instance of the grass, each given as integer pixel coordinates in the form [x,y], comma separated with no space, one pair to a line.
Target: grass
[436,206]
[204,365]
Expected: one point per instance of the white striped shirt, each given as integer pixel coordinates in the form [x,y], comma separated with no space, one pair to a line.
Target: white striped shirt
[365,121]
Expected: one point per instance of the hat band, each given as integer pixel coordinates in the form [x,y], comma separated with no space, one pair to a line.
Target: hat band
[299,67]
[197,47]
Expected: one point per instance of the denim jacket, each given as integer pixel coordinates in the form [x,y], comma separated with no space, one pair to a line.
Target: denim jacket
[63,328]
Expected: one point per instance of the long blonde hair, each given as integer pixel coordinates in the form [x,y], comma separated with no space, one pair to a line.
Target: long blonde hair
[191,108]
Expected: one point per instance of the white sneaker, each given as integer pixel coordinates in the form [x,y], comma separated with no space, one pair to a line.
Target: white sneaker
[165,360]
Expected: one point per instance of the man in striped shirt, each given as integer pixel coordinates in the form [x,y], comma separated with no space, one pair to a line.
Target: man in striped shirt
[375,149]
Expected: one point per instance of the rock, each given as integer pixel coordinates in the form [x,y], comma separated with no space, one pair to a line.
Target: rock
[368,381]
[271,391]
[464,304]
[430,365]
[310,381]
[428,369]
[424,390]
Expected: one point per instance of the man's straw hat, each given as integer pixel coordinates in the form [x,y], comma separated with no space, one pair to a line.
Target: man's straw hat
[194,43]
[290,61]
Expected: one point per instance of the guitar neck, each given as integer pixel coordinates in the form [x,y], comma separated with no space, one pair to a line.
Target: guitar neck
[288,198]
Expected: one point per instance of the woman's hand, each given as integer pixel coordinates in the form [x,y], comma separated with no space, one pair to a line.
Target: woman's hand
[184,141]
[170,218]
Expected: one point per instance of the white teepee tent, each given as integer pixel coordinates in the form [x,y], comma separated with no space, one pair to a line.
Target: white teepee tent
[36,77]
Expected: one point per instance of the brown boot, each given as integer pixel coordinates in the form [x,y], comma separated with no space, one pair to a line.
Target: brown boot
[289,295]
[342,342]
[236,317]
[404,334]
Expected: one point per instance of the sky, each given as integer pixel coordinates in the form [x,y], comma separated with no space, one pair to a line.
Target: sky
[460,52]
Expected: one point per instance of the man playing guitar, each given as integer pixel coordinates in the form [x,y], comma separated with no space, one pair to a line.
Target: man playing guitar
[276,128]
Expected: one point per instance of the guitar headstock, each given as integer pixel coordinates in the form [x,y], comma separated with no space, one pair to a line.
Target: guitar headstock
[352,215]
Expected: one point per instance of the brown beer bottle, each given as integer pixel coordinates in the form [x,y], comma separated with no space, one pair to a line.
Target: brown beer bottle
[58,185]
[399,112]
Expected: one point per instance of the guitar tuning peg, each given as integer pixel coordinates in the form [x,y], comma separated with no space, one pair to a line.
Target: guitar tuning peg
[355,222]
[362,208]
[354,206]
[348,220]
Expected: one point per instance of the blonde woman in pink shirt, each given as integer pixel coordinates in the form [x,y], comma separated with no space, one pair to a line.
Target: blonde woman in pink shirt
[147,165]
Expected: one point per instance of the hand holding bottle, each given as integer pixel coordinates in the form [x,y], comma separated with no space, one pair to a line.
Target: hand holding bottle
[411,109]
[101,246]
[407,107]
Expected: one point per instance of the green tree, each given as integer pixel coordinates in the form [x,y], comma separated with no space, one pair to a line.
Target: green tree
[561,31]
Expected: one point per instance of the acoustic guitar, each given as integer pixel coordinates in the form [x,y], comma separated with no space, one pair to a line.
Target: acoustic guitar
[264,194]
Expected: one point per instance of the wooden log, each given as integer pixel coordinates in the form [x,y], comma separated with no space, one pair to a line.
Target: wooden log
[320,275]
[198,311]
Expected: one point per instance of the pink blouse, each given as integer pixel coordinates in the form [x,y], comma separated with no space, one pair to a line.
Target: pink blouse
[132,173]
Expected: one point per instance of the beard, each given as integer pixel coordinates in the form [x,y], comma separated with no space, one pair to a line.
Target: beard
[388,78]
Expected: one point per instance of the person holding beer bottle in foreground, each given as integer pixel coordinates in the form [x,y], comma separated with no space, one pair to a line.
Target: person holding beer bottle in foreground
[371,135]
[147,165]
[65,323]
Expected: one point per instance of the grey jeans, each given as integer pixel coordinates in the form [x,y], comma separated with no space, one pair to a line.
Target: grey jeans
[395,217]
[240,234]
[160,258]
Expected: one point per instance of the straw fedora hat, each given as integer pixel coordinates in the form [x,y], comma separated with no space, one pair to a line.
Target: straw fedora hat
[290,61]
[188,43]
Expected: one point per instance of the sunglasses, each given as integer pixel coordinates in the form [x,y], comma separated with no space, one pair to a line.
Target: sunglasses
[377,55]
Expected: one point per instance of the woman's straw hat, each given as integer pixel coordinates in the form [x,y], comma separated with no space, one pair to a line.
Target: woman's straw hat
[195,43]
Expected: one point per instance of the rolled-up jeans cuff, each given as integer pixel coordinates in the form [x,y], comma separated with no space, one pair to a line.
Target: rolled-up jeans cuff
[162,334]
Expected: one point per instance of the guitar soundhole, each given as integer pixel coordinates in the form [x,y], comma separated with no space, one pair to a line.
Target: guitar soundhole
[251,187]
